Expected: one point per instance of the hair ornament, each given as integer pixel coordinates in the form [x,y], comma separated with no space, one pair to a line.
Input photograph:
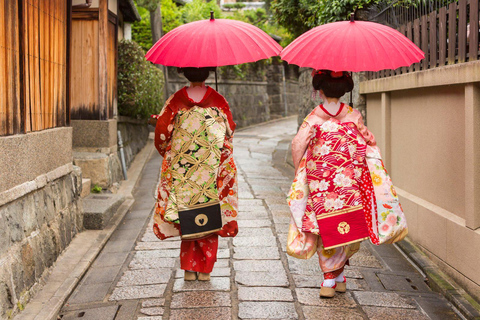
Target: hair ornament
[337,74]
[314,72]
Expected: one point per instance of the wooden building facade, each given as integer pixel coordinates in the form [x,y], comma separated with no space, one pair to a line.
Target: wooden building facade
[58,67]
[94,56]
[33,58]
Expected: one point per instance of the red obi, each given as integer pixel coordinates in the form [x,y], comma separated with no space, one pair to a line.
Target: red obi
[335,161]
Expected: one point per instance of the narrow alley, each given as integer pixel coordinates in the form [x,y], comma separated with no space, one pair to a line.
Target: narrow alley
[137,276]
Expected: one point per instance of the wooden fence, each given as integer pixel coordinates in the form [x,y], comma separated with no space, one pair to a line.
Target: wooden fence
[448,35]
[33,54]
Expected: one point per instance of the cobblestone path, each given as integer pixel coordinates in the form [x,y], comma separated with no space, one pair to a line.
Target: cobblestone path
[254,278]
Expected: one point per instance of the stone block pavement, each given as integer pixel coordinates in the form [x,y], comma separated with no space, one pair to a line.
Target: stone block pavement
[137,276]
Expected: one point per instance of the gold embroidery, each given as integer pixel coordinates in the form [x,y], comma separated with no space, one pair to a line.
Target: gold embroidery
[197,141]
[201,220]
[343,227]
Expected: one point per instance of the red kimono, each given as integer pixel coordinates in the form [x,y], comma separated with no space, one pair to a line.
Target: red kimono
[182,184]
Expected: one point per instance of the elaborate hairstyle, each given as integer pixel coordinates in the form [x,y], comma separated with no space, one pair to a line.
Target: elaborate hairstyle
[195,74]
[333,84]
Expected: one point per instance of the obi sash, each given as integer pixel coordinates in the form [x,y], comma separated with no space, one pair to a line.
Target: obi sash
[197,140]
[335,159]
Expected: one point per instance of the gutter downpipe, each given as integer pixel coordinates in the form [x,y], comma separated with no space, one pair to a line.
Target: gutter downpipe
[122,154]
[284,90]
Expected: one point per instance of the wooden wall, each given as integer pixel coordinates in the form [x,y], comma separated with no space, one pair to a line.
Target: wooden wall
[93,79]
[10,114]
[33,55]
[112,69]
[84,70]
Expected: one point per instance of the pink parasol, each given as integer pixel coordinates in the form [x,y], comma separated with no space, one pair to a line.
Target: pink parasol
[213,43]
[352,46]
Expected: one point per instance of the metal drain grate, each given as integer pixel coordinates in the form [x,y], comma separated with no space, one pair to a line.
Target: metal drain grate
[101,313]
[403,283]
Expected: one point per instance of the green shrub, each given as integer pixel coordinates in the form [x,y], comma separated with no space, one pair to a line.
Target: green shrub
[140,83]
[254,71]
[237,5]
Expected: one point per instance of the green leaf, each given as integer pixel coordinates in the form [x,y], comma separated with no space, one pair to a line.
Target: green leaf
[140,83]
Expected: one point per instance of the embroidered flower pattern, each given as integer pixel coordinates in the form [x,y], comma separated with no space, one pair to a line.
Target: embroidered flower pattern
[376,180]
[329,126]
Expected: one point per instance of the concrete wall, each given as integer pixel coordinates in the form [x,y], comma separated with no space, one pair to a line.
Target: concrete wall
[40,211]
[24,157]
[427,125]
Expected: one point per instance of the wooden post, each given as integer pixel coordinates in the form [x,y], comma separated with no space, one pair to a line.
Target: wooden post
[416,40]
[385,145]
[410,36]
[103,60]
[472,155]
[473,37]
[452,32]
[442,36]
[432,29]
[424,31]
[67,37]
[22,59]
[403,30]
[462,30]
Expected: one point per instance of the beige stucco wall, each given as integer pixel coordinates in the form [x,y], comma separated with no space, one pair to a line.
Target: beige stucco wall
[95,3]
[427,136]
[112,4]
[374,116]
[428,127]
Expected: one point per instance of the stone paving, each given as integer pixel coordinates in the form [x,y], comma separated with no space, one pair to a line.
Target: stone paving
[253,278]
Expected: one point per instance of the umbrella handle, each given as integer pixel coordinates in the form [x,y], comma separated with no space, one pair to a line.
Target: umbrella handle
[351,92]
[216,82]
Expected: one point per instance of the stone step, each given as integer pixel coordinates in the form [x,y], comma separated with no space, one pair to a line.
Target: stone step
[99,209]
[86,187]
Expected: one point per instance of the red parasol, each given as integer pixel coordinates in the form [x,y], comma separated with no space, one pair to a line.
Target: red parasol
[352,46]
[213,43]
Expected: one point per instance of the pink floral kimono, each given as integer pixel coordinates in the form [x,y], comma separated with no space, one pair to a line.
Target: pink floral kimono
[342,192]
[331,260]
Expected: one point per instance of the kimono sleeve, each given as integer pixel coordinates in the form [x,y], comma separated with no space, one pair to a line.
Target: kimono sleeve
[228,114]
[300,143]
[367,135]
[164,127]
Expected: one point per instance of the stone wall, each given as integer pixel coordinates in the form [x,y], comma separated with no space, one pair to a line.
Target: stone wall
[256,98]
[307,103]
[95,147]
[134,136]
[34,230]
[95,151]
[278,93]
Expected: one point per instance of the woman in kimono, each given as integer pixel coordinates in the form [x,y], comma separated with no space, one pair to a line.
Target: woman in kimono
[194,134]
[334,185]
